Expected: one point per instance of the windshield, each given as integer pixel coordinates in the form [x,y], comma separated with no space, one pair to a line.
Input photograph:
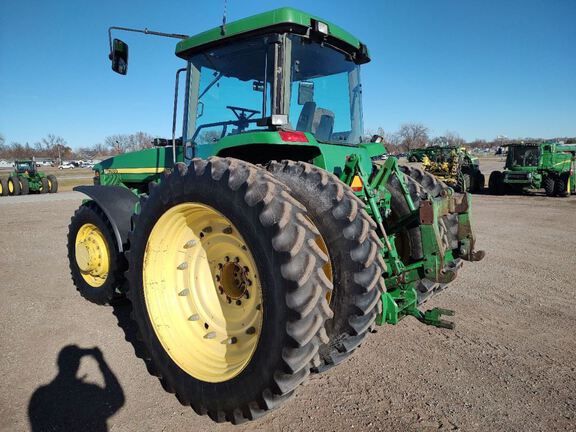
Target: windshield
[326,94]
[237,84]
[230,85]
[522,156]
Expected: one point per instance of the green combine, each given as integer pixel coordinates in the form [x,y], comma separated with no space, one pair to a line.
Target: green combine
[549,166]
[264,243]
[27,179]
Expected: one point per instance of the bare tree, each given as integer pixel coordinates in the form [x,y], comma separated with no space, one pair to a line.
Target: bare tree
[413,135]
[122,143]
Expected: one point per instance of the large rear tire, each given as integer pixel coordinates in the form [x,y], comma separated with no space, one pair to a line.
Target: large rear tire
[13,185]
[52,183]
[356,266]
[45,186]
[96,266]
[3,186]
[240,342]
[24,186]
[549,186]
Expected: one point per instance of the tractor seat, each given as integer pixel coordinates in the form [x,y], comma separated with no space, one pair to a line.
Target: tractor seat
[306,117]
[323,124]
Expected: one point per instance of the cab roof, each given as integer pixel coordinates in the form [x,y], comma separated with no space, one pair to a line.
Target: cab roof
[284,19]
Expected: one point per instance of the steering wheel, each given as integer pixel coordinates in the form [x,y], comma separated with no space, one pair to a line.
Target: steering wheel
[243,115]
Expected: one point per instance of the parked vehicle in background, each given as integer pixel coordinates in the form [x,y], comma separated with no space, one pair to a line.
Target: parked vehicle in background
[26,178]
[548,165]
[66,165]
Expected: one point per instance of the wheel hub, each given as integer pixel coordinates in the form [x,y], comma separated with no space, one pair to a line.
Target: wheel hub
[92,255]
[202,292]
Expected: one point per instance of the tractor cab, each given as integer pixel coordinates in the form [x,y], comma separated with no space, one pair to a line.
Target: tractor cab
[295,74]
[25,167]
[282,71]
[523,156]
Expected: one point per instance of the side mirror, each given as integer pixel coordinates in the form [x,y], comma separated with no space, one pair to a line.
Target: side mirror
[305,92]
[119,57]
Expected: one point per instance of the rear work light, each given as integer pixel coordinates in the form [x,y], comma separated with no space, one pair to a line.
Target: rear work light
[290,136]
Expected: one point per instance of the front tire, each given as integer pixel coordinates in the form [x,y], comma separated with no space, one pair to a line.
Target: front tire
[496,183]
[96,265]
[356,267]
[561,186]
[230,352]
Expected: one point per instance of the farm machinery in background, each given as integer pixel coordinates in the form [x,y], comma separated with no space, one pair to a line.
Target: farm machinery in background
[548,165]
[454,165]
[265,243]
[27,179]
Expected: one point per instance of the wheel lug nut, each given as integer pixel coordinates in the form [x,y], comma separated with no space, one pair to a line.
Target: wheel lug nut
[220,266]
[189,244]
[227,258]
[227,230]
[251,330]
[221,290]
[247,294]
[229,299]
[238,302]
[236,260]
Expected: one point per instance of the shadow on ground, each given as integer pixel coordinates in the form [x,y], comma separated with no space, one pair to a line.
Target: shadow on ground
[68,403]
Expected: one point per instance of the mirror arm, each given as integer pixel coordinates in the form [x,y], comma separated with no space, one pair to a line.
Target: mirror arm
[145,31]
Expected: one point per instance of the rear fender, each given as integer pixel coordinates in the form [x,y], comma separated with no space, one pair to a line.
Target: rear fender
[118,204]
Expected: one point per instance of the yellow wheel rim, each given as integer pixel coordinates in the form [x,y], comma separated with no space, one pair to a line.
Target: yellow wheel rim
[328,266]
[49,185]
[10,186]
[202,292]
[92,255]
[1,188]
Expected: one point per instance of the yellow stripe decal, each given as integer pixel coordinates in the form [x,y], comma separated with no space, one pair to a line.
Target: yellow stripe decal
[134,170]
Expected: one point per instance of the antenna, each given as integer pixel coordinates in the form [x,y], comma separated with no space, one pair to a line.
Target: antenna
[224,18]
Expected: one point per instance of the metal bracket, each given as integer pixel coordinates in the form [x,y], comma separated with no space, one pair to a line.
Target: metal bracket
[433,317]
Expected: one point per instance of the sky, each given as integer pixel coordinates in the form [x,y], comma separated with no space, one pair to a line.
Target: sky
[480,68]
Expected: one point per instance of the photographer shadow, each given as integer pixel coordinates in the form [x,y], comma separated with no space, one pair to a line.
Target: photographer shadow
[68,403]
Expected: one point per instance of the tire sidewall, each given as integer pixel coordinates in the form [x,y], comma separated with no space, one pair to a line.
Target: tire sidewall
[258,373]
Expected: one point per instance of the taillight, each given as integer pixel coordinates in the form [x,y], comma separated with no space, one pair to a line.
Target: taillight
[356,184]
[291,136]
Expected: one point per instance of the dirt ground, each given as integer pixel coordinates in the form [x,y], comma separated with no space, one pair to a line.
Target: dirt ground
[510,365]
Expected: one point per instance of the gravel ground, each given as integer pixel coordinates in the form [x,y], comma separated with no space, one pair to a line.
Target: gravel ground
[510,365]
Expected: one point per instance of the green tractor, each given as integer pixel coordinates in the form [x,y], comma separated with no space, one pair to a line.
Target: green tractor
[26,179]
[548,165]
[455,166]
[265,243]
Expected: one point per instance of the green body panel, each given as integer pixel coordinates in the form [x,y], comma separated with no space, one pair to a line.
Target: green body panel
[257,22]
[554,160]
[136,169]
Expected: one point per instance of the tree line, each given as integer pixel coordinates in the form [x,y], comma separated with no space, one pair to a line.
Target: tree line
[409,136]
[56,148]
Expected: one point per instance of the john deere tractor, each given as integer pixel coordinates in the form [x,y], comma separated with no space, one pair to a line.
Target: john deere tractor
[26,179]
[455,166]
[549,166]
[264,244]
